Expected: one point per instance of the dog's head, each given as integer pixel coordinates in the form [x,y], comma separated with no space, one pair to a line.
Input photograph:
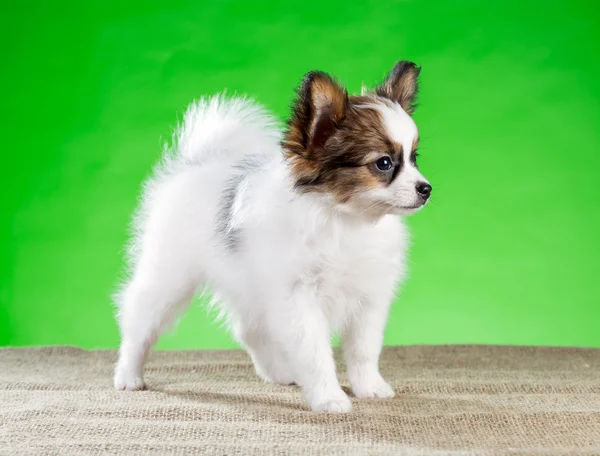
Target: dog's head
[360,150]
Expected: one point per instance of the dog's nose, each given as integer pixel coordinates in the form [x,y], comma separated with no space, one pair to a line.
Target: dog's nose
[424,190]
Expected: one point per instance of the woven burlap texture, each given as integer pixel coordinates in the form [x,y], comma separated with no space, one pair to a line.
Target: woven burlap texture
[454,400]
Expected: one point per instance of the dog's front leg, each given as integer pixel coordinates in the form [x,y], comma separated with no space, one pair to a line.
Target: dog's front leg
[362,340]
[302,331]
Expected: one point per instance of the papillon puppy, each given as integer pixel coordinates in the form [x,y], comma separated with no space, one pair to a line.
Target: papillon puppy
[298,234]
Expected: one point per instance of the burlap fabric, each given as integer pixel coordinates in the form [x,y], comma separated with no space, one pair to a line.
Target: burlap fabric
[451,400]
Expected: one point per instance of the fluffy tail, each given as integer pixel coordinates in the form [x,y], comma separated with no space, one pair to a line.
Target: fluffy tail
[223,129]
[213,129]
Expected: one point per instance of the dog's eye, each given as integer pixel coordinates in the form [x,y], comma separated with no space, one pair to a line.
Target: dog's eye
[384,164]
[413,157]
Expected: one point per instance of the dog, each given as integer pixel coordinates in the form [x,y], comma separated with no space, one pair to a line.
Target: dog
[297,232]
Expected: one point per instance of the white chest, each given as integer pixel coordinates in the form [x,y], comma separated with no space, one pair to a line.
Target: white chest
[351,267]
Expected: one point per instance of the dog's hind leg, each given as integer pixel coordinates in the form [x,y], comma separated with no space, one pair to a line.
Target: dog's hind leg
[148,305]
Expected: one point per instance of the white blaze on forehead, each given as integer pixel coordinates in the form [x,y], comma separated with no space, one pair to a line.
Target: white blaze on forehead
[400,126]
[403,130]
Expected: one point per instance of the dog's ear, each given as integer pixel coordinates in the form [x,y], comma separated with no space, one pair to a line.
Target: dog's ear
[319,108]
[401,85]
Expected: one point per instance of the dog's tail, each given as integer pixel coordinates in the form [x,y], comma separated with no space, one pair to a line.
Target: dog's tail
[221,128]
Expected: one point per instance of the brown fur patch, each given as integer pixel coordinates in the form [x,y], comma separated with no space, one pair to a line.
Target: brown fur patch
[347,181]
[320,106]
[333,140]
[401,85]
[344,164]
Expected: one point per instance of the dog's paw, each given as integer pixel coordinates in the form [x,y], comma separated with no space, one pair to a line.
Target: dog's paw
[283,380]
[278,377]
[340,403]
[375,388]
[128,382]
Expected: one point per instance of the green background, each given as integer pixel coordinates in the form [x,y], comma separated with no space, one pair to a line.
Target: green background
[507,252]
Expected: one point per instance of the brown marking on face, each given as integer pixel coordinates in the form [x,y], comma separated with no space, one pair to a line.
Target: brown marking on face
[347,181]
[333,141]
[345,164]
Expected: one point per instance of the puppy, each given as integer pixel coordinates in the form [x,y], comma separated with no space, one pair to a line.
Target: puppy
[297,234]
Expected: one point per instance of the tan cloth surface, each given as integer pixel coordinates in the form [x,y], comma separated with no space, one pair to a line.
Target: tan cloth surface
[451,400]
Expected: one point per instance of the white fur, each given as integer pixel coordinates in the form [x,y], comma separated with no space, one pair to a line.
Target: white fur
[301,269]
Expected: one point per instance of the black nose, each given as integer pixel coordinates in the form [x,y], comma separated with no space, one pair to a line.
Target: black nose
[424,190]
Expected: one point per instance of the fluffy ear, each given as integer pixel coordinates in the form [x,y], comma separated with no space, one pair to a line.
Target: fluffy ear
[320,107]
[401,85]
